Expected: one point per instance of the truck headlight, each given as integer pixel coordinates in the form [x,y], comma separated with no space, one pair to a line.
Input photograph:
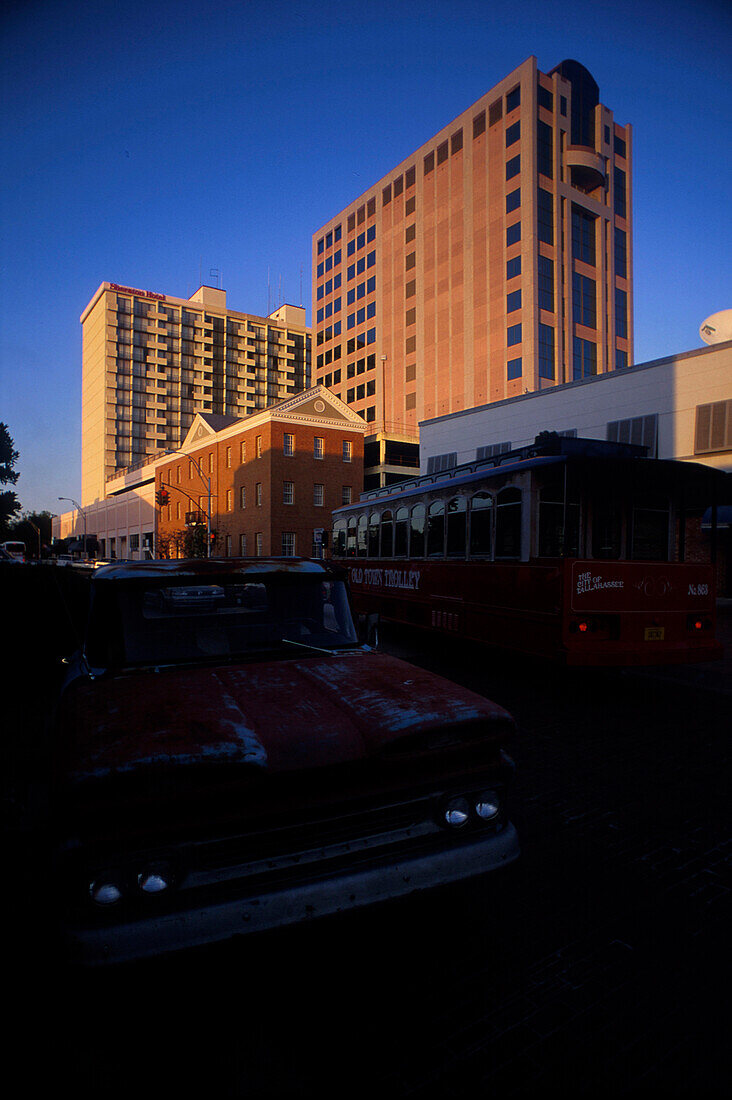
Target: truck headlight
[488,805]
[105,892]
[457,813]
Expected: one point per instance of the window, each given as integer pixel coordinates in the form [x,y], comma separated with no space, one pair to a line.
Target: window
[258,494]
[640,430]
[713,427]
[242,546]
[513,200]
[417,531]
[228,458]
[514,368]
[584,358]
[620,149]
[513,335]
[387,534]
[513,267]
[544,97]
[318,495]
[346,494]
[546,284]
[437,463]
[583,235]
[621,359]
[479,125]
[288,544]
[508,523]
[288,445]
[650,529]
[242,497]
[258,446]
[258,544]
[513,167]
[621,198]
[481,525]
[288,492]
[546,351]
[545,216]
[513,133]
[584,300]
[491,450]
[513,234]
[318,448]
[621,253]
[621,312]
[544,149]
[436,529]
[554,540]
[347,450]
[229,500]
[513,99]
[513,301]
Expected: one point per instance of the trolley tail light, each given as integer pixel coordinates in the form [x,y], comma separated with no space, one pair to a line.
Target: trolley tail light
[601,626]
[698,623]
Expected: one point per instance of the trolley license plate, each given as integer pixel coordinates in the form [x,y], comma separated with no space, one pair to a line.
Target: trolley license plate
[654,633]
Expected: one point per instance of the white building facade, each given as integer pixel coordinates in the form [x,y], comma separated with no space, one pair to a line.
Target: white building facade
[679,407]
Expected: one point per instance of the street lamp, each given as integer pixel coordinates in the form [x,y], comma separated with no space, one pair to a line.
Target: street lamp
[83,514]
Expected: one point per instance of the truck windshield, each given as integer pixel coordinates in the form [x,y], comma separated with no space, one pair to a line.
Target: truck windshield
[149,622]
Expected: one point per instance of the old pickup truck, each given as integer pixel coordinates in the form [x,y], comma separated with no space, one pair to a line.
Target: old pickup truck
[230,757]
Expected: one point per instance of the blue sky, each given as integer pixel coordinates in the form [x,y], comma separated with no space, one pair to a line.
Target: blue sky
[148,143]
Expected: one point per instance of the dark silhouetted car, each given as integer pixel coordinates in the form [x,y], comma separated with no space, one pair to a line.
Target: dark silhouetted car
[230,758]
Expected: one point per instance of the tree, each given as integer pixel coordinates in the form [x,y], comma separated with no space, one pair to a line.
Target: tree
[34,529]
[9,503]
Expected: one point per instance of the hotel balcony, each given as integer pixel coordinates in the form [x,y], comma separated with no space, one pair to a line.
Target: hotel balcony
[586,167]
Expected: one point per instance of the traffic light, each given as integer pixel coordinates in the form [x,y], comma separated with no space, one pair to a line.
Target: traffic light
[162,497]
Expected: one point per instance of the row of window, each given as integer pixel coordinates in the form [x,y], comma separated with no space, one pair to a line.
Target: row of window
[488,525]
[288,495]
[484,525]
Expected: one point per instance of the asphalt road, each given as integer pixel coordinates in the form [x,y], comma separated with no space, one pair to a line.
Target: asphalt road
[596,965]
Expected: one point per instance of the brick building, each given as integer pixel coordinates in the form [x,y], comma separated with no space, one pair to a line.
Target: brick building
[274,478]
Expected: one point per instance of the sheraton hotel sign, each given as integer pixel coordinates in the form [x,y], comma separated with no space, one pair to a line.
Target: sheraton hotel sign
[142,293]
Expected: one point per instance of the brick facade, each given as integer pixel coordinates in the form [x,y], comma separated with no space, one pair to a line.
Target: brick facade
[275,478]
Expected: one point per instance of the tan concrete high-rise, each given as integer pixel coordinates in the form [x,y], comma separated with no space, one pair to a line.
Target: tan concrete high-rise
[495,260]
[150,362]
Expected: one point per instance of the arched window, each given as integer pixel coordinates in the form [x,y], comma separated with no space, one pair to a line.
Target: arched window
[416,532]
[351,543]
[457,516]
[362,543]
[508,523]
[339,538]
[436,529]
[481,525]
[373,551]
[400,533]
[387,534]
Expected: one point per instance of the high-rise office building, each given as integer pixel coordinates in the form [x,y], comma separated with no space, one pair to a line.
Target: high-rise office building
[150,362]
[496,259]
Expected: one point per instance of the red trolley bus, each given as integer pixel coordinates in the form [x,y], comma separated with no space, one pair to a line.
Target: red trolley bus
[572,549]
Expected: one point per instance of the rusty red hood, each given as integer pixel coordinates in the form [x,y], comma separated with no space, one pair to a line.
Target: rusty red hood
[277,715]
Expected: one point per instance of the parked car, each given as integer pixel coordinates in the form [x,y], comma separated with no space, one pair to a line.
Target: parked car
[232,758]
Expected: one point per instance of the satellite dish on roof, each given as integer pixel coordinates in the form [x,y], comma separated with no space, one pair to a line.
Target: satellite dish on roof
[717,328]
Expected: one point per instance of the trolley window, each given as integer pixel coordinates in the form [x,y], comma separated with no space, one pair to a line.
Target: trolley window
[481,525]
[457,521]
[508,523]
[650,529]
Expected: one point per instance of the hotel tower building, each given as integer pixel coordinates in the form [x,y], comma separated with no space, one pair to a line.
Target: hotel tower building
[150,362]
[494,260]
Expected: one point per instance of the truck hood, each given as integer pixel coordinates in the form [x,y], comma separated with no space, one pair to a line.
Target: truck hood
[278,716]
